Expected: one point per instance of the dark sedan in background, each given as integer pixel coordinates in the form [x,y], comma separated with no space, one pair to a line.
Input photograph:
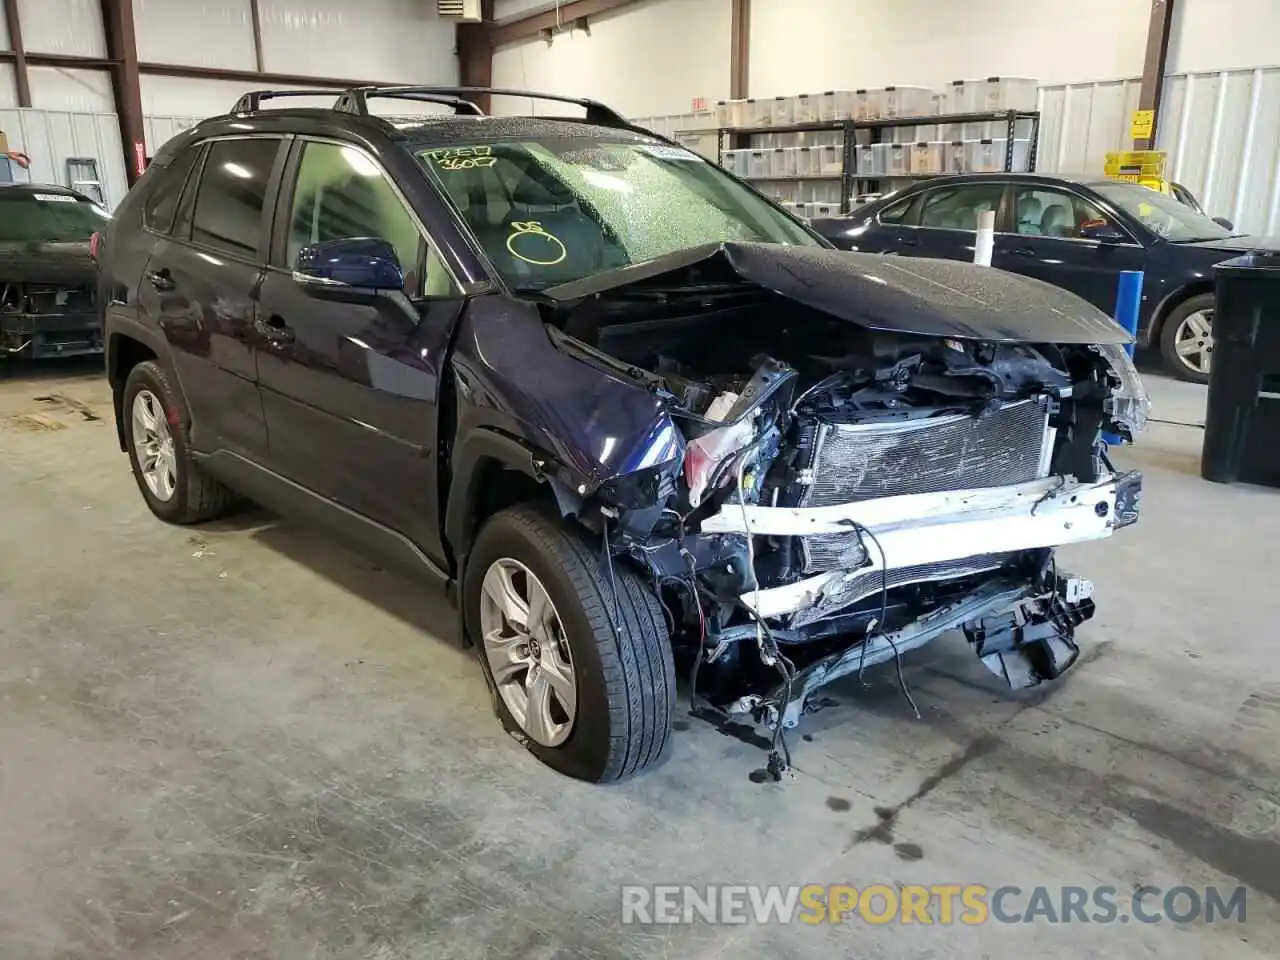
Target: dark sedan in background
[47,278]
[1076,232]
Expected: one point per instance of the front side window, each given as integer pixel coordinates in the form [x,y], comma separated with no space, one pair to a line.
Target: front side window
[896,213]
[342,194]
[957,208]
[232,193]
[1162,215]
[1054,213]
[560,209]
[35,217]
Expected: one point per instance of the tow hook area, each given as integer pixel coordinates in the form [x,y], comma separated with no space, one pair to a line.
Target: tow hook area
[1032,641]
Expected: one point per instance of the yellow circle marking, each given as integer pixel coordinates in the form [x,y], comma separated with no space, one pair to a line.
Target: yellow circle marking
[534,228]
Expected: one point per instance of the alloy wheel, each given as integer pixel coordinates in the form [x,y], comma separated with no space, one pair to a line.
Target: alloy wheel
[527,651]
[153,446]
[1193,342]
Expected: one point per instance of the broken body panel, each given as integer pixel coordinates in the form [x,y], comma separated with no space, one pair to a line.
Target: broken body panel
[822,459]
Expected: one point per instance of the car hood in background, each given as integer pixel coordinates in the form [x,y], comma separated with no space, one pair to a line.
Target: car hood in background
[65,264]
[939,298]
[1236,244]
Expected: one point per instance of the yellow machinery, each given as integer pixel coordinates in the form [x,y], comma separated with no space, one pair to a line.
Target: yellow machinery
[1145,167]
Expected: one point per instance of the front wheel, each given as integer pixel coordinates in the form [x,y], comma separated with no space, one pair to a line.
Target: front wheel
[1186,339]
[589,691]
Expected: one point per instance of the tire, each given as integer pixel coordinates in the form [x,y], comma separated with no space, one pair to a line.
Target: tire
[622,671]
[195,497]
[1177,327]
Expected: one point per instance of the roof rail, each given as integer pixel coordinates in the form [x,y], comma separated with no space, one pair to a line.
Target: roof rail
[251,102]
[356,100]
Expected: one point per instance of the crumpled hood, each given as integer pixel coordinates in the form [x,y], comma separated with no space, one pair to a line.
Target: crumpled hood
[937,298]
[1244,244]
[66,264]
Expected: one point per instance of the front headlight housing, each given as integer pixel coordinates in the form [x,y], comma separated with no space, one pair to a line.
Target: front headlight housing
[1128,405]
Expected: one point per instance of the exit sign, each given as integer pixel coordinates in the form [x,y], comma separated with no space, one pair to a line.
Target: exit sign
[699,104]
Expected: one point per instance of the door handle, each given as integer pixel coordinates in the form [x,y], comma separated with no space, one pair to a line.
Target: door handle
[161,279]
[274,330]
[908,242]
[1023,252]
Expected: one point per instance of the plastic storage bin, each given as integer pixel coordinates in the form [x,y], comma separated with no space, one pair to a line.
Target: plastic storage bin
[807,108]
[836,105]
[729,160]
[867,104]
[987,156]
[759,113]
[865,161]
[783,111]
[782,163]
[816,210]
[966,96]
[758,164]
[897,159]
[926,156]
[830,160]
[954,159]
[1009,93]
[905,102]
[806,161]
[732,113]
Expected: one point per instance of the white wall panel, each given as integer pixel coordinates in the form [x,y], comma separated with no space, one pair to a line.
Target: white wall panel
[1213,35]
[193,97]
[57,88]
[51,137]
[63,26]
[802,46]
[646,59]
[398,41]
[1081,123]
[4,34]
[8,87]
[207,33]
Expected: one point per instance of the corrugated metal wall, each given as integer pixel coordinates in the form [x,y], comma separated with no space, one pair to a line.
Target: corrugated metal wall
[1221,131]
[51,137]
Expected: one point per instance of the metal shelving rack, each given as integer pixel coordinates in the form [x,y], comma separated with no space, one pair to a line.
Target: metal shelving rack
[737,138]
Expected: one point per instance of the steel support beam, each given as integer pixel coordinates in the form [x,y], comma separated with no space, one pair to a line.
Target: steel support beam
[475,55]
[740,50]
[253,76]
[18,54]
[1159,28]
[122,50]
[531,27]
[255,18]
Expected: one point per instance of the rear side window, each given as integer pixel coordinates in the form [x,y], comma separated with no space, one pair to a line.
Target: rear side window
[158,214]
[232,194]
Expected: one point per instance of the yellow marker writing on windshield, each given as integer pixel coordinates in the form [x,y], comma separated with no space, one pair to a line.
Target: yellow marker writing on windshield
[546,244]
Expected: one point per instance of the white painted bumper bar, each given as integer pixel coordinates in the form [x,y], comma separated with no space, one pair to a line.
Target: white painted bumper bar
[929,528]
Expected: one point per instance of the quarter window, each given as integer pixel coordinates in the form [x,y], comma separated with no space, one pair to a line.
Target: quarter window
[158,213]
[957,208]
[341,194]
[897,212]
[232,194]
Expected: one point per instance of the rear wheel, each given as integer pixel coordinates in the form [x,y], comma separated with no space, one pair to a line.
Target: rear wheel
[591,694]
[171,481]
[1186,339]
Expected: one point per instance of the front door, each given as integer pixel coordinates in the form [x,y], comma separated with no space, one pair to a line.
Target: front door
[948,221]
[350,391]
[1046,242]
[199,284]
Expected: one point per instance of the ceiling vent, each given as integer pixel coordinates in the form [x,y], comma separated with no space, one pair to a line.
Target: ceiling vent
[467,11]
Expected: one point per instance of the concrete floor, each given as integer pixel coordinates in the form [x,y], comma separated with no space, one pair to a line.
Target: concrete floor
[240,741]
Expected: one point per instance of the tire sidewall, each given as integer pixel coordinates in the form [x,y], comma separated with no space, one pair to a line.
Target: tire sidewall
[146,376]
[584,755]
[1169,335]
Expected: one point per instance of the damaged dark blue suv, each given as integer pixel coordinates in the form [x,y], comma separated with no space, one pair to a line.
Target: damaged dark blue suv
[629,411]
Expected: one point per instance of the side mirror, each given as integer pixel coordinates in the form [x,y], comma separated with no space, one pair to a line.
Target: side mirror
[1101,231]
[349,271]
[1224,223]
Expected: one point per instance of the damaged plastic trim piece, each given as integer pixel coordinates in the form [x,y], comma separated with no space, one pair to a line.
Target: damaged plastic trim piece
[934,527]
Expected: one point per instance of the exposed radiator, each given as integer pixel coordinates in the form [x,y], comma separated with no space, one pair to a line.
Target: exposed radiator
[854,462]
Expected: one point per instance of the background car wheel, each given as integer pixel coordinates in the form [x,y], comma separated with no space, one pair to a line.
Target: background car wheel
[172,483]
[591,696]
[1186,339]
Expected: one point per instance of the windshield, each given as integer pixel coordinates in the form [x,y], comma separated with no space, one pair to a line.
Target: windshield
[31,217]
[1161,214]
[552,211]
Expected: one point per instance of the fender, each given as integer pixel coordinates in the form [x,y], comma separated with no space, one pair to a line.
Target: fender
[130,327]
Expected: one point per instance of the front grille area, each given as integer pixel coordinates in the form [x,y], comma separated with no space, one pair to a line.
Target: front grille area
[864,461]
[959,452]
[858,586]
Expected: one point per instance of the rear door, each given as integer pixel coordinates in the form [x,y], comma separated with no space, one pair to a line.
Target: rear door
[350,390]
[200,285]
[948,219]
[1043,240]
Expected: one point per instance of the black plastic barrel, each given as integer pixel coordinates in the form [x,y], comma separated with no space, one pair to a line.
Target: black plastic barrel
[1242,423]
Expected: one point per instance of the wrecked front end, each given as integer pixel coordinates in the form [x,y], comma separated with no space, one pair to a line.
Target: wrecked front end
[874,453]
